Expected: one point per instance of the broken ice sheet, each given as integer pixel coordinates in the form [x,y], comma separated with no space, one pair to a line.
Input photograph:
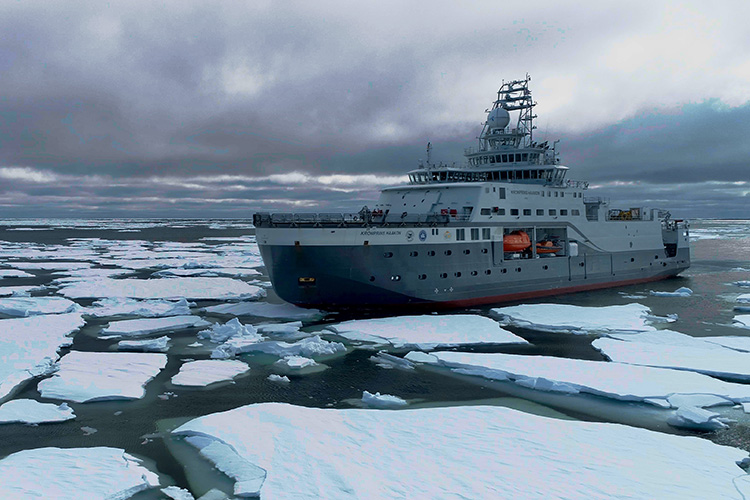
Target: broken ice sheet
[382,401]
[14,273]
[576,319]
[96,376]
[30,411]
[149,326]
[384,454]
[148,345]
[164,288]
[426,332]
[680,292]
[28,346]
[73,473]
[208,371]
[131,307]
[20,290]
[31,306]
[267,310]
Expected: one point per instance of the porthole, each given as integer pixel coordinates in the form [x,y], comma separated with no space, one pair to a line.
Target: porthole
[448,252]
[413,254]
[545,267]
[504,271]
[457,274]
[518,269]
[443,275]
[388,255]
[395,277]
[372,278]
[488,271]
[474,273]
[484,250]
[632,259]
[656,257]
[431,253]
[422,277]
[467,251]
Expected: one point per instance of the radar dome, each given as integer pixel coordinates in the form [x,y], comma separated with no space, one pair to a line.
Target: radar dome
[498,118]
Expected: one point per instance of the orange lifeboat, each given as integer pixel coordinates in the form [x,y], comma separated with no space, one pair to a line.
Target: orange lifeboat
[517,241]
[547,247]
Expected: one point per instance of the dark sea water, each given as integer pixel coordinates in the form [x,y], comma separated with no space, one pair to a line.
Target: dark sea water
[720,256]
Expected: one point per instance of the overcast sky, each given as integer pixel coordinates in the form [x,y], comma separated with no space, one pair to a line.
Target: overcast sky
[210,109]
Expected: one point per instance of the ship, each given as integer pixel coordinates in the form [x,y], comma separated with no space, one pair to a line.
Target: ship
[506,225]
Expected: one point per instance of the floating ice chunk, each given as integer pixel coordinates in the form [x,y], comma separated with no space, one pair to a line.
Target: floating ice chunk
[28,346]
[613,380]
[426,332]
[376,454]
[96,376]
[667,349]
[742,320]
[177,493]
[576,319]
[31,306]
[6,291]
[296,363]
[149,326]
[696,418]
[307,347]
[266,310]
[149,345]
[208,371]
[166,288]
[30,411]
[73,473]
[281,379]
[248,477]
[14,273]
[130,307]
[389,361]
[282,329]
[56,265]
[744,284]
[240,272]
[378,400]
[743,298]
[233,328]
[680,292]
[697,400]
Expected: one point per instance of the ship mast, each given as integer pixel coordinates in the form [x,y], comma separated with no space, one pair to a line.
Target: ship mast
[512,96]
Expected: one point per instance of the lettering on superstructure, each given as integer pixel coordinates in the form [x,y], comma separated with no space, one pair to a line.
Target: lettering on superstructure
[380,233]
[526,192]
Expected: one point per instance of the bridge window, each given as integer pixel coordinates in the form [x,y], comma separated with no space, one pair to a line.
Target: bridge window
[552,211]
[474,233]
[460,234]
[563,211]
[485,233]
[485,211]
[540,211]
[575,211]
[527,211]
[513,211]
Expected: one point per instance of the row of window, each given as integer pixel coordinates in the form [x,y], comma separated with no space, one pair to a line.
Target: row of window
[474,233]
[431,253]
[505,158]
[457,274]
[527,212]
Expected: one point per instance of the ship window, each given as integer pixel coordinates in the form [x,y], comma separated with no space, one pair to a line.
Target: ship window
[557,194]
[467,251]
[457,274]
[488,271]
[492,159]
[372,278]
[518,156]
[575,211]
[505,158]
[540,211]
[503,175]
[414,254]
[443,275]
[485,211]
[422,277]
[562,195]
[485,233]
[552,211]
[513,211]
[527,211]
[395,277]
[473,273]
[504,271]
[431,253]
[474,233]
[525,157]
[518,269]
[484,250]
[388,255]
[460,234]
[500,211]
[448,252]
[563,211]
[501,193]
[545,267]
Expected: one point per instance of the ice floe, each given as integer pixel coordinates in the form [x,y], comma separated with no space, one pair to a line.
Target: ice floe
[279,379]
[298,364]
[669,349]
[49,266]
[148,345]
[743,298]
[390,362]
[14,273]
[733,342]
[30,411]
[149,326]
[219,333]
[378,400]
[657,386]
[743,284]
[576,319]
[208,371]
[32,306]
[95,376]
[680,292]
[131,307]
[426,332]
[28,346]
[494,451]
[177,493]
[742,320]
[21,290]
[307,347]
[266,310]
[241,272]
[73,473]
[164,288]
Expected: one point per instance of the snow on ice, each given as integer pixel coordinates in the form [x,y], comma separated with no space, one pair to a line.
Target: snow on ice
[14,273]
[131,307]
[30,411]
[742,320]
[20,290]
[95,376]
[669,349]
[378,400]
[576,319]
[266,310]
[680,292]
[28,346]
[31,306]
[149,326]
[208,371]
[422,453]
[426,332]
[148,345]
[279,379]
[73,473]
[164,288]
[307,347]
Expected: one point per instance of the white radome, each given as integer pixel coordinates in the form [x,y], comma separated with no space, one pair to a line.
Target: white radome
[498,118]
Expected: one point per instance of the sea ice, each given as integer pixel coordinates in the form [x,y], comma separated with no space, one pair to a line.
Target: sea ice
[426,332]
[219,333]
[49,266]
[576,319]
[742,320]
[30,411]
[14,273]
[28,346]
[280,379]
[149,326]
[743,298]
[668,349]
[73,473]
[494,452]
[177,493]
[307,347]
[744,284]
[732,342]
[612,380]
[389,361]
[295,363]
[240,272]
[378,400]
[208,371]
[691,417]
[164,288]
[31,306]
[148,345]
[21,290]
[95,376]
[680,292]
[266,310]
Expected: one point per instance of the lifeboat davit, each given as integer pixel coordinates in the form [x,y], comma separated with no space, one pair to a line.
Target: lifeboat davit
[517,241]
[547,247]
